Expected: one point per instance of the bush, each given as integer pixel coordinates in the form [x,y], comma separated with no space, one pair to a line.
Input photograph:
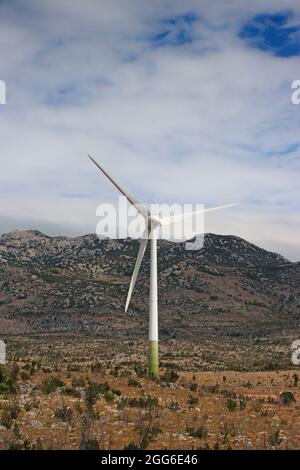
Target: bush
[147,427]
[9,413]
[247,384]
[87,439]
[96,367]
[134,383]
[193,387]
[274,438]
[174,405]
[200,432]
[15,445]
[4,389]
[51,384]
[139,402]
[72,392]
[242,404]
[257,405]
[64,413]
[108,396]
[90,444]
[192,400]
[296,380]
[78,382]
[93,391]
[131,446]
[170,376]
[286,398]
[140,371]
[7,381]
[231,404]
[24,376]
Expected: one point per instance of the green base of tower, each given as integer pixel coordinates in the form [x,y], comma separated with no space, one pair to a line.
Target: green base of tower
[153,360]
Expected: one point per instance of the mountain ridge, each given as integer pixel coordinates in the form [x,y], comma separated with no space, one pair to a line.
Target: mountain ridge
[79,284]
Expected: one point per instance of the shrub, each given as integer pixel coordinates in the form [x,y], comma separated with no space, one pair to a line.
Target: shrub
[134,383]
[139,402]
[7,381]
[242,404]
[131,446]
[140,371]
[170,376]
[38,444]
[147,427]
[193,387]
[72,392]
[228,430]
[192,400]
[286,398]
[10,412]
[24,376]
[15,445]
[4,389]
[296,380]
[247,384]
[64,413]
[78,407]
[87,439]
[90,444]
[96,367]
[174,405]
[93,391]
[257,405]
[78,382]
[108,397]
[200,432]
[274,438]
[51,384]
[231,404]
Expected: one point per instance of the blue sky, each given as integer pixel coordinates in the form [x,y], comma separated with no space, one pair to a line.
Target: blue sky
[273,33]
[183,101]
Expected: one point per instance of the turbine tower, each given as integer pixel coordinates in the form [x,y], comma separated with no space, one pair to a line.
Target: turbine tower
[153,223]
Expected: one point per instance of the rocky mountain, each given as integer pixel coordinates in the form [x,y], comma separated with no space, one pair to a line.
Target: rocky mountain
[65,285]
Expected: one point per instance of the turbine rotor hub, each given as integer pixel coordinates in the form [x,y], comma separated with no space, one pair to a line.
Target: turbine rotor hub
[153,222]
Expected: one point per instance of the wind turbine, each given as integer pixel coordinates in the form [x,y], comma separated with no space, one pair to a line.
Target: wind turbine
[153,223]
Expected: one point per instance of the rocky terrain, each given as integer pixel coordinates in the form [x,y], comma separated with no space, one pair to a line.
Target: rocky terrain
[91,407]
[229,289]
[76,372]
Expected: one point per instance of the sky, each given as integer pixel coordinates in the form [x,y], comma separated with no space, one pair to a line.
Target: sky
[184,102]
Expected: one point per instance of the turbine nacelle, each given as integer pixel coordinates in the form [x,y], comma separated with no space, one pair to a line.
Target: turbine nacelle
[153,222]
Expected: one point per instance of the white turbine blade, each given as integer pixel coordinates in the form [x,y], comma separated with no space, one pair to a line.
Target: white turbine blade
[143,245]
[140,207]
[177,218]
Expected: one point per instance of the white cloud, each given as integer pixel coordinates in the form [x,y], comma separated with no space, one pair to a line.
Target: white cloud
[211,121]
